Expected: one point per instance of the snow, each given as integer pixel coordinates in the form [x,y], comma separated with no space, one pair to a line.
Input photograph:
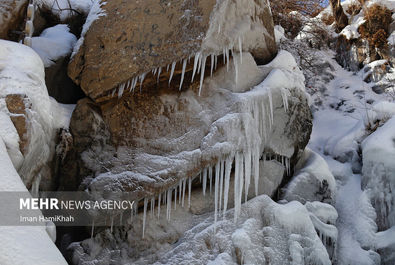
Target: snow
[23,244]
[279,33]
[26,79]
[351,31]
[63,9]
[54,43]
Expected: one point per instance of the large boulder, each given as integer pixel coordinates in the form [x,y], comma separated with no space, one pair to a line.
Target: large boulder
[123,41]
[150,142]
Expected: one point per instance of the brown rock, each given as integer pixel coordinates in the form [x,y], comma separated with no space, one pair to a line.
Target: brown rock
[338,12]
[134,38]
[12,14]
[17,105]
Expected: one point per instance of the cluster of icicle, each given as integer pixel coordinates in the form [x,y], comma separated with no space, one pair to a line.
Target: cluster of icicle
[246,164]
[199,66]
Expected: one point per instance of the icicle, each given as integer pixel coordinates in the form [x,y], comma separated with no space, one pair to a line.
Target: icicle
[203,67]
[168,202]
[215,61]
[210,176]
[131,84]
[142,77]
[113,92]
[131,214]
[167,68]
[228,169]
[212,65]
[195,63]
[189,192]
[184,66]
[134,83]
[241,50]
[127,86]
[247,165]
[238,184]
[284,96]
[154,71]
[199,67]
[236,68]
[145,214]
[184,184]
[221,183]
[204,181]
[93,228]
[152,207]
[180,192]
[173,66]
[227,59]
[271,106]
[175,198]
[255,163]
[217,171]
[288,166]
[224,55]
[120,91]
[159,72]
[159,198]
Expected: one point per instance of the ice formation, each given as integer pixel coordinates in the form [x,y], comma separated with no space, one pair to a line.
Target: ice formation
[378,153]
[239,138]
[265,231]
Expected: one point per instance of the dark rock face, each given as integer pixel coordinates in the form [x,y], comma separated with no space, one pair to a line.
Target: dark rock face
[59,84]
[137,37]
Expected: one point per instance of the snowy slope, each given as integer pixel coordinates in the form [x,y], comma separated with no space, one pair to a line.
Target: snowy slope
[23,245]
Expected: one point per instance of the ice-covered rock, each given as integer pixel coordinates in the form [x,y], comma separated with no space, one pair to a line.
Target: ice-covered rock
[313,181]
[178,38]
[266,232]
[378,153]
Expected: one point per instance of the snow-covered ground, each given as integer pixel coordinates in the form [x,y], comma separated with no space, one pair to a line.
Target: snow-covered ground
[341,123]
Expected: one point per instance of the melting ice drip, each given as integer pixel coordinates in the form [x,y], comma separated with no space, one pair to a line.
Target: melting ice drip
[199,66]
